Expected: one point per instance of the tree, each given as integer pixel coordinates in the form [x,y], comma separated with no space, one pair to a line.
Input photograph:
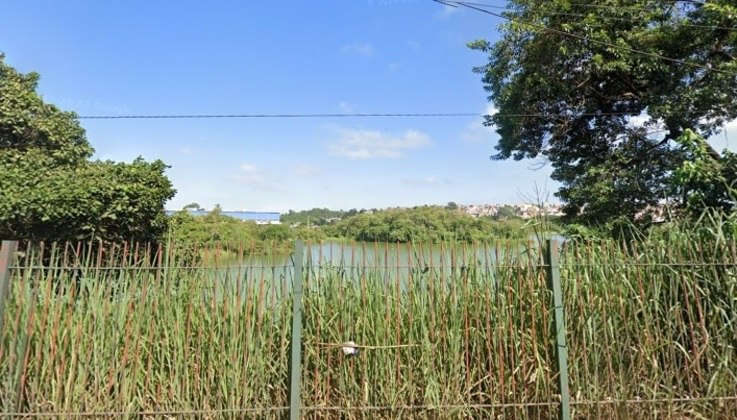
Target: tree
[506,212]
[703,181]
[50,190]
[193,207]
[570,82]
[29,125]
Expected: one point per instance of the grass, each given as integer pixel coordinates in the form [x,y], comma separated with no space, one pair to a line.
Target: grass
[138,329]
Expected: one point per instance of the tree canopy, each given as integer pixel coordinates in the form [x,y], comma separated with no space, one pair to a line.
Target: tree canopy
[424,224]
[619,98]
[314,217]
[51,190]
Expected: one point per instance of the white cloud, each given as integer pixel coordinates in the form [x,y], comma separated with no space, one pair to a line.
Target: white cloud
[346,107]
[254,178]
[476,131]
[249,175]
[413,45]
[429,181]
[188,151]
[305,169]
[363,50]
[448,11]
[368,144]
[490,110]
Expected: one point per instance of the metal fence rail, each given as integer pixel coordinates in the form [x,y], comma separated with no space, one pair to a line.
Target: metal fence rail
[444,331]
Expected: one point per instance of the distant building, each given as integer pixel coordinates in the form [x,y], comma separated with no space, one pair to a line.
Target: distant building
[260,217]
[524,210]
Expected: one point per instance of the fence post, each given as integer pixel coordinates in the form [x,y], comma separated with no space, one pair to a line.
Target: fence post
[561,351]
[7,252]
[295,362]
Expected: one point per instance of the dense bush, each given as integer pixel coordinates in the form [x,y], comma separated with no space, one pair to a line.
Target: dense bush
[50,189]
[426,224]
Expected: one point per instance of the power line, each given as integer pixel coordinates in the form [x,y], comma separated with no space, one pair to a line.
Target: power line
[584,38]
[602,6]
[571,113]
[597,6]
[603,17]
[624,19]
[223,116]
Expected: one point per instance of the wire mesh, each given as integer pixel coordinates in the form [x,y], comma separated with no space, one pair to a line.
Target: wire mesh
[445,330]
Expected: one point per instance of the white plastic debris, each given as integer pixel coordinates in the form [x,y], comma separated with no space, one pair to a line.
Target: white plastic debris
[349,349]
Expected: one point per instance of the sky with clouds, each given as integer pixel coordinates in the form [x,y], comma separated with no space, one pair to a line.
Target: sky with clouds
[287,57]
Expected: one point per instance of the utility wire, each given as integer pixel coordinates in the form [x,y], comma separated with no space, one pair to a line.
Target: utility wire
[225,116]
[452,3]
[624,19]
[584,38]
[214,116]
[572,113]
[604,17]
[595,6]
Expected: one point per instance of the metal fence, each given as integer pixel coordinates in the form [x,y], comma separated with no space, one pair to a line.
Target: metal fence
[442,331]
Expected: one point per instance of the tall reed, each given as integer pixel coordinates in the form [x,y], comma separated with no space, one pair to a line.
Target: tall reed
[449,331]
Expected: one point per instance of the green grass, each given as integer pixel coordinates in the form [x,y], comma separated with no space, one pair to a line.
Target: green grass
[654,319]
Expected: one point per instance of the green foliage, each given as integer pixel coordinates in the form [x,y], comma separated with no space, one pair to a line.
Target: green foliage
[650,333]
[193,206]
[29,124]
[505,212]
[211,228]
[228,233]
[425,224]
[274,233]
[96,200]
[702,181]
[49,190]
[315,216]
[311,235]
[574,100]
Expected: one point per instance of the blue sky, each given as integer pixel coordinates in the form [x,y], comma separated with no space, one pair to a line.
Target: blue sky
[321,56]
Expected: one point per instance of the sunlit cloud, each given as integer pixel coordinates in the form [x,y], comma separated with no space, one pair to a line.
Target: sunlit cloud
[305,169]
[346,107]
[188,151]
[253,177]
[369,144]
[363,50]
[429,181]
[249,175]
[476,131]
[448,11]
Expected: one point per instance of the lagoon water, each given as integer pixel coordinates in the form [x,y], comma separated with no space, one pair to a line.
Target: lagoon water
[386,263]
[351,264]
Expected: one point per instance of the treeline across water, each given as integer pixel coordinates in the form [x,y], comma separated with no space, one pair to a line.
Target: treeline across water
[418,224]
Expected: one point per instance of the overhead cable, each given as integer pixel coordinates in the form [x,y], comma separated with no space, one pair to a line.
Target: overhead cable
[585,38]
[600,16]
